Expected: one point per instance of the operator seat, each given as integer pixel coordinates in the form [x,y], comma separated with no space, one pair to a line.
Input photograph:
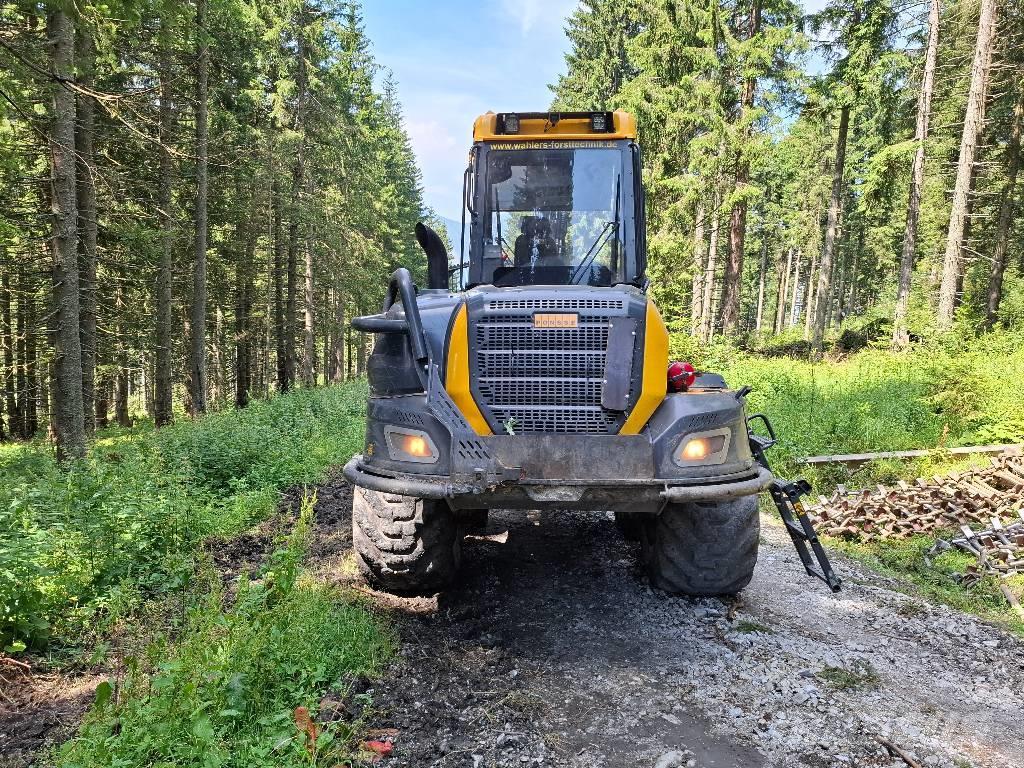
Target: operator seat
[547,251]
[524,243]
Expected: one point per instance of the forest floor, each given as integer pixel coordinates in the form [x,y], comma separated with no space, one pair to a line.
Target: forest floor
[552,650]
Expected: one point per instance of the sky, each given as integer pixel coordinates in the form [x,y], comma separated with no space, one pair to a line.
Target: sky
[455,59]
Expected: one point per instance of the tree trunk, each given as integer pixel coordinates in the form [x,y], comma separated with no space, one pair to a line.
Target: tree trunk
[783,288]
[339,337]
[31,366]
[163,407]
[360,354]
[10,390]
[697,294]
[298,183]
[121,398]
[762,276]
[974,121]
[793,306]
[900,337]
[349,359]
[291,279]
[87,228]
[329,332]
[244,281]
[733,278]
[120,359]
[21,345]
[829,298]
[995,282]
[69,419]
[706,315]
[308,331]
[810,296]
[102,402]
[198,314]
[836,312]
[280,324]
[218,379]
[835,209]
[852,303]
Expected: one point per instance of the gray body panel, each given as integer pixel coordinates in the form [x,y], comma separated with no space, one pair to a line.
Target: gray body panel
[549,464]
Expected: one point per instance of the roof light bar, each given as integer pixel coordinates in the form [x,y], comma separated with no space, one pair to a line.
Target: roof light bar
[601,122]
[509,123]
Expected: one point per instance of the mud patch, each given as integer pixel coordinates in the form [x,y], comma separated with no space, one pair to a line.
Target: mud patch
[40,709]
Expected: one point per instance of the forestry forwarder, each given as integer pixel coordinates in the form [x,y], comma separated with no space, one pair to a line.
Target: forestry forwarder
[544,381]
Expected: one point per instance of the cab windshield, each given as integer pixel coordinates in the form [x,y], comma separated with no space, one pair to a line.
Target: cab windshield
[553,217]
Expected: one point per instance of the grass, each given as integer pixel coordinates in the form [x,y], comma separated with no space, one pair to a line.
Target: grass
[936,578]
[79,548]
[748,626]
[109,552]
[860,676]
[227,692]
[944,393]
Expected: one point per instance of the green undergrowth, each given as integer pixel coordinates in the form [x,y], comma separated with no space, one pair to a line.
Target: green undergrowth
[942,394]
[81,547]
[225,691]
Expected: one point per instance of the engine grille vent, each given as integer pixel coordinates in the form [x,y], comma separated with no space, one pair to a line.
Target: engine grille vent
[566,304]
[544,380]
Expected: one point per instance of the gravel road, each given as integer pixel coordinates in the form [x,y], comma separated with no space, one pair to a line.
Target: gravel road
[553,651]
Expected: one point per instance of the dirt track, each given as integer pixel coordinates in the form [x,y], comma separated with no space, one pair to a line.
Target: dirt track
[553,651]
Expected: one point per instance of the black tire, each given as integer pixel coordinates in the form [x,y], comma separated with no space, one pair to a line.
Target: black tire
[630,524]
[703,548]
[402,543]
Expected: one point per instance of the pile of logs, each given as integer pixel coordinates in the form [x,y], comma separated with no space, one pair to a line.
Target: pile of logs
[989,499]
[976,497]
[999,549]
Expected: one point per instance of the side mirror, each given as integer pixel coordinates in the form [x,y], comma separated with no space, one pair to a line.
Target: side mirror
[437,256]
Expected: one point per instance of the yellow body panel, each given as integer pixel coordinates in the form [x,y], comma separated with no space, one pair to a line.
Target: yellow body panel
[534,129]
[456,379]
[653,387]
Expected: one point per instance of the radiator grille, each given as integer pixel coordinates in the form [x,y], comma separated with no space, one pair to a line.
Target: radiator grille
[543,380]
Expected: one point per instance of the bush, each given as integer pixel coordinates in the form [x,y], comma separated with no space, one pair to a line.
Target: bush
[130,517]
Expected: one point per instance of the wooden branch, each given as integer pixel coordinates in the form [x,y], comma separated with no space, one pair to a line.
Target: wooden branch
[1012,600]
[895,750]
[8,661]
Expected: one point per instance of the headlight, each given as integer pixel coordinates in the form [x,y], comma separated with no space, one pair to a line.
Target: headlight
[410,445]
[703,448]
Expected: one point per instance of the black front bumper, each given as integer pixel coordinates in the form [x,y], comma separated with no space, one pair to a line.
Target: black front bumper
[639,494]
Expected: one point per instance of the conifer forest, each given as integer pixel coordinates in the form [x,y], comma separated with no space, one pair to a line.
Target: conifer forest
[194,198]
[197,518]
